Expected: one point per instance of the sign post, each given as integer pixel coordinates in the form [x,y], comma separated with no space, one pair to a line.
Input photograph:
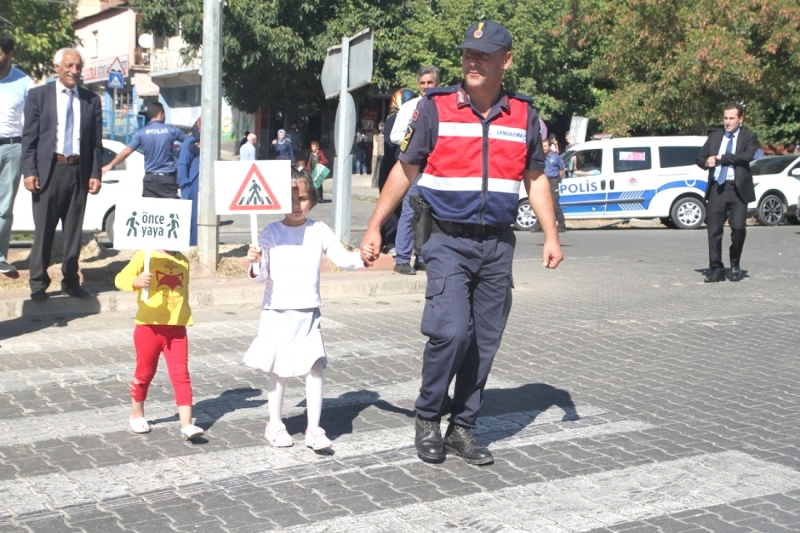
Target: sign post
[347,67]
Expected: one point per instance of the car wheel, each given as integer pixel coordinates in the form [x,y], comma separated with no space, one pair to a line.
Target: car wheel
[668,222]
[771,210]
[688,213]
[108,226]
[526,218]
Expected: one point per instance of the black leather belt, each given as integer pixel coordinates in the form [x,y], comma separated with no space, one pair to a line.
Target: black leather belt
[163,173]
[469,231]
[71,160]
[10,140]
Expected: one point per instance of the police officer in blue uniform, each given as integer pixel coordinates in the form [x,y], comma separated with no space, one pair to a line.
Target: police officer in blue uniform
[474,144]
[156,140]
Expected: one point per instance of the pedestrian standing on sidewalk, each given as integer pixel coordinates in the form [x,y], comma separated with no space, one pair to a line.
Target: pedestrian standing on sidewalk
[317,157]
[247,152]
[160,328]
[554,170]
[156,140]
[475,144]
[282,147]
[189,175]
[289,341]
[14,85]
[427,78]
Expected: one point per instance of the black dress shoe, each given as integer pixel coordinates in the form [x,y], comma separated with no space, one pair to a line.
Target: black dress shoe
[405,268]
[459,440]
[428,440]
[716,276]
[39,295]
[419,265]
[736,271]
[76,291]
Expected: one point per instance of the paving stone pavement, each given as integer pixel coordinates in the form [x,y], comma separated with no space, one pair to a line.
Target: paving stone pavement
[627,396]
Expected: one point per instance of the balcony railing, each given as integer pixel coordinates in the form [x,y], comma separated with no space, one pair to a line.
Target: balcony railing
[141,58]
[173,60]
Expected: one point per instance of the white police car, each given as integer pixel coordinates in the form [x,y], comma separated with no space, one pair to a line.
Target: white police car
[777,184]
[635,177]
[123,180]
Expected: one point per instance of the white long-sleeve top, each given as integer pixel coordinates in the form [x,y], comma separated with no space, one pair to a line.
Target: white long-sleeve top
[290,260]
[402,120]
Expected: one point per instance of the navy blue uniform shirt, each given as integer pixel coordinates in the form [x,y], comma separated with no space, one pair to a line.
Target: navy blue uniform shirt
[156,140]
[553,165]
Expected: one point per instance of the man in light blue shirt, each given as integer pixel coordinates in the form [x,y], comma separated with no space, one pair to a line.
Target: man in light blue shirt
[248,150]
[14,85]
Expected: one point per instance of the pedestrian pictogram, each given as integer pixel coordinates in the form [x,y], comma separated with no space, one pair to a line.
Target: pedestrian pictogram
[254,194]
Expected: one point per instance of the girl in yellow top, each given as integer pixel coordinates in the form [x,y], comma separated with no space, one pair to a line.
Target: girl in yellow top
[160,327]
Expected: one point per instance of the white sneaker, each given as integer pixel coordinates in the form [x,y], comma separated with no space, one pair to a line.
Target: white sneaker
[190,431]
[278,436]
[140,425]
[7,268]
[316,439]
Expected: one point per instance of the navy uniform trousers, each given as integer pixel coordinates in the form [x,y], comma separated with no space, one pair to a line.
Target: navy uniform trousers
[467,301]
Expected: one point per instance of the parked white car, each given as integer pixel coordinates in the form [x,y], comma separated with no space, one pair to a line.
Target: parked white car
[123,180]
[777,183]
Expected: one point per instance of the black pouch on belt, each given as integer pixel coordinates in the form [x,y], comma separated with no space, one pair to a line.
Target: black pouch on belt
[421,221]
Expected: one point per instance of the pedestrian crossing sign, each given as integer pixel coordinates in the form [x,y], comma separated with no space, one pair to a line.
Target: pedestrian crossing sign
[252,187]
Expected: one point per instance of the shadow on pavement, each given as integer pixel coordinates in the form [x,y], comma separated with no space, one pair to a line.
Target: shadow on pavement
[338,419]
[207,412]
[37,316]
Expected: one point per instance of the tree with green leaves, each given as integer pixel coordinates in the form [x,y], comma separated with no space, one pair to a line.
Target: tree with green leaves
[39,29]
[670,67]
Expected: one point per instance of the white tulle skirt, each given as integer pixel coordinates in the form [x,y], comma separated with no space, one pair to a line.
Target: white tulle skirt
[289,342]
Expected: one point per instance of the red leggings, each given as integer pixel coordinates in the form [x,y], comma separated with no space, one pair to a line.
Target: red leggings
[149,342]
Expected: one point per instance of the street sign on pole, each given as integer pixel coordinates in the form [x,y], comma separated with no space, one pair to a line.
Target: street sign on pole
[116,80]
[347,67]
[359,69]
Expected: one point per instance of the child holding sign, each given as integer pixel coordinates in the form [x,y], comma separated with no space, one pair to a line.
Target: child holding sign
[289,341]
[160,327]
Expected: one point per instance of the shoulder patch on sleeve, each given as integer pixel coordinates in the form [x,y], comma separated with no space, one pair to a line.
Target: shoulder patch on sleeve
[414,115]
[407,138]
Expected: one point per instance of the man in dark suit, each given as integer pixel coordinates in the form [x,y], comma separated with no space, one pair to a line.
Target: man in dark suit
[727,155]
[62,153]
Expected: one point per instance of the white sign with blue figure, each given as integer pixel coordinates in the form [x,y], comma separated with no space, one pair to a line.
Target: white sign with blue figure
[152,224]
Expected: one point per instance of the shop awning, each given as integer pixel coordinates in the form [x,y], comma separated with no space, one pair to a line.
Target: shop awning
[144,85]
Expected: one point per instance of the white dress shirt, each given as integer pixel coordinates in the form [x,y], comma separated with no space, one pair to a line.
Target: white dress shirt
[402,120]
[62,98]
[722,147]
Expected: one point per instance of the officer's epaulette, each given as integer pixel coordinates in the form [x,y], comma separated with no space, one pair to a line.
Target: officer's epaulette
[433,91]
[518,96]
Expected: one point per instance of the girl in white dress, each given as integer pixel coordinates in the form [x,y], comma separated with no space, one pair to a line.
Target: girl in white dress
[289,341]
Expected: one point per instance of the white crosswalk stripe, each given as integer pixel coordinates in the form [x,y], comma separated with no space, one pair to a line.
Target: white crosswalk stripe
[583,503]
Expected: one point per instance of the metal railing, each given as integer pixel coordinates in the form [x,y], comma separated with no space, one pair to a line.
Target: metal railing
[121,125]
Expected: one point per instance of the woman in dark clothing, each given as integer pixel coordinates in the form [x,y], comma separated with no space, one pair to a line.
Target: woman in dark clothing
[282,147]
[389,228]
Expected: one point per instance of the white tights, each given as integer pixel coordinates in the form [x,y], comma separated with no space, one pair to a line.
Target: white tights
[277,387]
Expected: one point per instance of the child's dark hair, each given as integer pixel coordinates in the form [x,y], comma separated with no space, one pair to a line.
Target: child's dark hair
[305,176]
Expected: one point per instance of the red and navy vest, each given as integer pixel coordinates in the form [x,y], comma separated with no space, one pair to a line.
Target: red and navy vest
[474,171]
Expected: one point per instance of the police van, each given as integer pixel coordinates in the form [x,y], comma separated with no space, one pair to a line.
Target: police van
[634,177]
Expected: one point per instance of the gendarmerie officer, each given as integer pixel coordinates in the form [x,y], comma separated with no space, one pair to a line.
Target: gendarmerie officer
[156,140]
[474,143]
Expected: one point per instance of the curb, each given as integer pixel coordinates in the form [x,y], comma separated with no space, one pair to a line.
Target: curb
[207,293]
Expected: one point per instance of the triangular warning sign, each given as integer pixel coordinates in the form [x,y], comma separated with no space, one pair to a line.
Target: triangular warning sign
[116,66]
[254,194]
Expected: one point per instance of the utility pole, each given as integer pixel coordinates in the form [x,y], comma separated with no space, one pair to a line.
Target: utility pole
[210,113]
[344,136]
